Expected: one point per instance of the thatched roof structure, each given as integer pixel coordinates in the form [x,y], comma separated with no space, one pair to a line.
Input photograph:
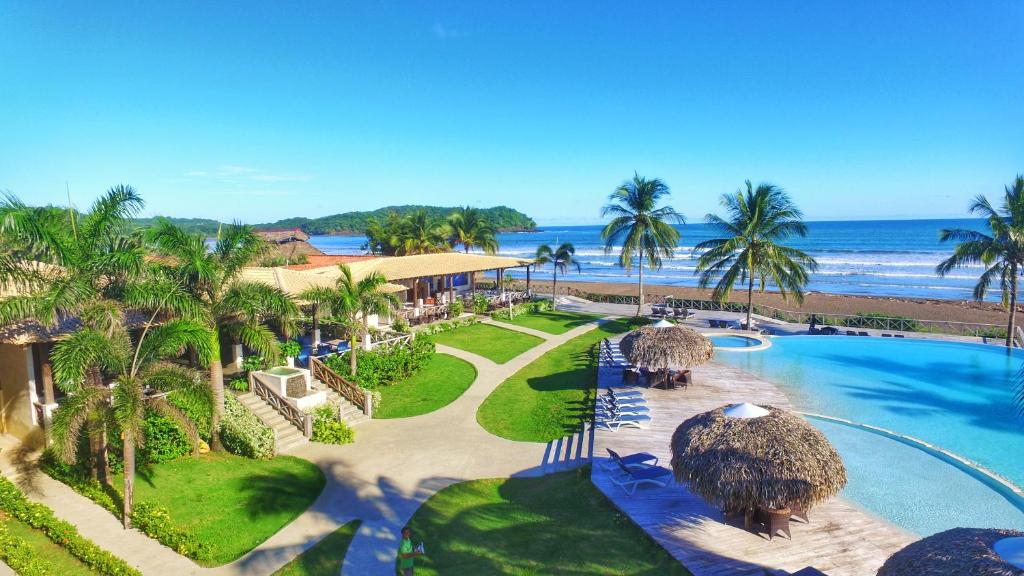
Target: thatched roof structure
[661,348]
[293,282]
[740,463]
[961,551]
[281,236]
[424,265]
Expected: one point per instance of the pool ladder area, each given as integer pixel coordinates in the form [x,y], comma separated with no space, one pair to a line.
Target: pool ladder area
[1008,490]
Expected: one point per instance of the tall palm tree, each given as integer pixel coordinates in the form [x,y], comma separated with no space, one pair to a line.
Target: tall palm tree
[561,259]
[136,368]
[471,229]
[642,228]
[353,301]
[421,234]
[234,307]
[1001,251]
[69,266]
[756,221]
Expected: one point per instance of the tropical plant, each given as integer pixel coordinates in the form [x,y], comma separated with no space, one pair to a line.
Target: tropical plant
[353,302]
[470,228]
[422,234]
[136,366]
[238,308]
[561,259]
[1001,251]
[65,265]
[642,228]
[757,221]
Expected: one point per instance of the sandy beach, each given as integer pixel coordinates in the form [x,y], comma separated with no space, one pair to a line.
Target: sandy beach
[922,309]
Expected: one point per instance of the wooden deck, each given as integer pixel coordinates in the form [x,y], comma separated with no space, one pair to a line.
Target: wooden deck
[841,539]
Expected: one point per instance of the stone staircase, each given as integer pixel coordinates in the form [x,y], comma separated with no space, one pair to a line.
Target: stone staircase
[289,436]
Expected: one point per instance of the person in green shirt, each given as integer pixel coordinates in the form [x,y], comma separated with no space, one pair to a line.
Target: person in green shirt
[406,554]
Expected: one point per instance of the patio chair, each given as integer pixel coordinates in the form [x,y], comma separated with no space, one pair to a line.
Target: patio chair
[615,409]
[624,393]
[886,335]
[637,460]
[863,334]
[631,478]
[851,333]
[682,377]
[615,421]
[899,336]
[617,401]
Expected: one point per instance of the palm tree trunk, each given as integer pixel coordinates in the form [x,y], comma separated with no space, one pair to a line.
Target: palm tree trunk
[1013,306]
[352,352]
[129,481]
[216,390]
[750,298]
[640,290]
[554,289]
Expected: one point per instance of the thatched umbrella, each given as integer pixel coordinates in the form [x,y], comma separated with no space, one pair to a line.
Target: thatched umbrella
[962,551]
[663,348]
[741,462]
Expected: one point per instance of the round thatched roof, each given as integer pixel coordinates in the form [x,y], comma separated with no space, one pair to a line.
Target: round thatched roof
[738,463]
[962,551]
[659,348]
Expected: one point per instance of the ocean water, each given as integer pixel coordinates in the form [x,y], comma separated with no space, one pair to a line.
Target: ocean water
[877,258]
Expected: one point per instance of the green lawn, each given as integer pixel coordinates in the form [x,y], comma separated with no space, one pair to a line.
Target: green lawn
[549,397]
[552,321]
[438,383]
[497,344]
[231,502]
[325,557]
[555,524]
[57,559]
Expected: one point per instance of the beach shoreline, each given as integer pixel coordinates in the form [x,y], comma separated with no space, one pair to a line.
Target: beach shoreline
[821,302]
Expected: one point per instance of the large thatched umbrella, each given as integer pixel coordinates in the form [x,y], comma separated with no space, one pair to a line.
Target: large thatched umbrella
[663,348]
[961,551]
[756,458]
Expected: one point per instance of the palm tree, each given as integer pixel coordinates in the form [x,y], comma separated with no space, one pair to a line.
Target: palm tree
[1001,251]
[353,300]
[470,229]
[750,250]
[84,262]
[643,229]
[562,259]
[421,234]
[135,365]
[237,308]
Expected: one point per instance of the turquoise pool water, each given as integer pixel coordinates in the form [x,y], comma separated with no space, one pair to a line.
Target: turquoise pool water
[733,341]
[956,396]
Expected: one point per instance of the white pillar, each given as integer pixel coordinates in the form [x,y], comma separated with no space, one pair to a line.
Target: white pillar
[30,370]
[367,341]
[236,350]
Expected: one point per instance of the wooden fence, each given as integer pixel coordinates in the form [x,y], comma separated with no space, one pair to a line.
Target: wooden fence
[348,390]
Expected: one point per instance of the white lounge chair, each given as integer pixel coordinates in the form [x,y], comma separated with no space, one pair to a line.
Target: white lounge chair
[615,421]
[637,460]
[633,477]
[616,409]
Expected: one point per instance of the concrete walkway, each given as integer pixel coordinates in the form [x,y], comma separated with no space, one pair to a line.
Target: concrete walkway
[382,478]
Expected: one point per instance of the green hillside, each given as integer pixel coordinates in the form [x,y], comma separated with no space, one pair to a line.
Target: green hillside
[504,218]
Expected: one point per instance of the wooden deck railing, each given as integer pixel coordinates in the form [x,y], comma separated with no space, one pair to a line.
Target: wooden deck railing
[392,339]
[282,405]
[348,390]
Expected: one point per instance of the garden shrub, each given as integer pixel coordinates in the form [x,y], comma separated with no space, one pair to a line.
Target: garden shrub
[253,363]
[385,366]
[456,308]
[327,428]
[441,327]
[520,309]
[197,405]
[400,325]
[239,384]
[165,440]
[480,304]
[20,556]
[62,533]
[243,433]
[290,349]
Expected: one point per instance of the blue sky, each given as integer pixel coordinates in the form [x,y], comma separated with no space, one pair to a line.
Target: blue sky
[236,110]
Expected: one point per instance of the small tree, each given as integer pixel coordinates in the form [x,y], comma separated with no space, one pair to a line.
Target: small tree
[561,259]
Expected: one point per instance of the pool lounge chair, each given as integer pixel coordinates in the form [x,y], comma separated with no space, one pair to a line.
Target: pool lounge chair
[611,392]
[851,333]
[615,421]
[863,334]
[638,460]
[613,410]
[633,477]
[616,401]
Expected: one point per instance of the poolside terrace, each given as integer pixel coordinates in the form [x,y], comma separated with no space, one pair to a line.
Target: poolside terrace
[841,539]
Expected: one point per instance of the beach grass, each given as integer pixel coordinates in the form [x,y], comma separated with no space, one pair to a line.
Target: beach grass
[550,397]
[438,383]
[230,502]
[325,557]
[555,524]
[552,321]
[55,558]
[496,344]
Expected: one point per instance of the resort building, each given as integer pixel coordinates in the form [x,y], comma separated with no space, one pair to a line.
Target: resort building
[28,395]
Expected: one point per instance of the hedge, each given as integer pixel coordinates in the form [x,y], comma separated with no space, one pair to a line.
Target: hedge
[387,365]
[524,308]
[243,433]
[152,520]
[60,532]
[20,556]
[327,428]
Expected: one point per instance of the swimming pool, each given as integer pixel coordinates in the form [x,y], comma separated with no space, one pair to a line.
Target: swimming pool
[954,395]
[731,341]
